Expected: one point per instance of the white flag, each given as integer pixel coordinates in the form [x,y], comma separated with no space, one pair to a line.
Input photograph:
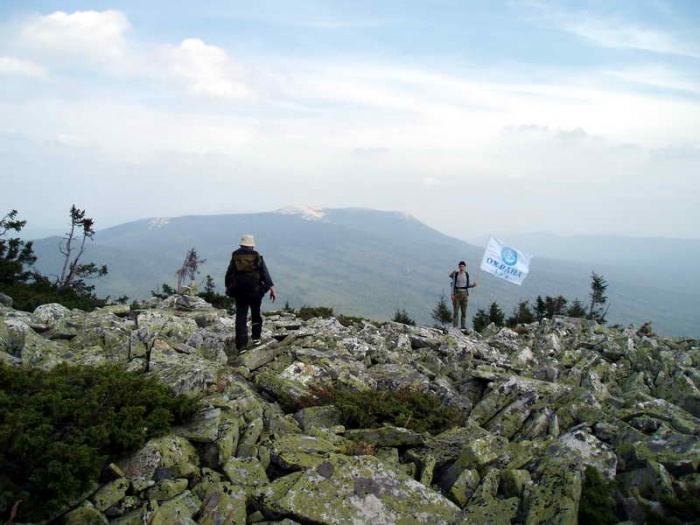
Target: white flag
[505,262]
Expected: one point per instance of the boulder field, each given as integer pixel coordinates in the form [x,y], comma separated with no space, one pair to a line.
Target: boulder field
[540,405]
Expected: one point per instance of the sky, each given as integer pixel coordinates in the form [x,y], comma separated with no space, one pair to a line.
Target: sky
[475,116]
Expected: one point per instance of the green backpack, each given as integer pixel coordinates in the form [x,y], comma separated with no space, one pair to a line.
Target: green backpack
[247,275]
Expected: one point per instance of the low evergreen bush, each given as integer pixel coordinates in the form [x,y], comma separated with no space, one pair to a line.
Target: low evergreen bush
[401,316]
[308,312]
[597,499]
[59,429]
[27,296]
[406,407]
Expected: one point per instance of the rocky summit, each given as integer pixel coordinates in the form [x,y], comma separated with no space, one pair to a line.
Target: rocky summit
[543,406]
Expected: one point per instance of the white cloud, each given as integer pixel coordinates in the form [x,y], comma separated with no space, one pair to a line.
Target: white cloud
[614,34]
[205,70]
[659,76]
[16,66]
[96,36]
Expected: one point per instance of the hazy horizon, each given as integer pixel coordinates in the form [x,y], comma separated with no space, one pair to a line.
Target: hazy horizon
[29,233]
[501,117]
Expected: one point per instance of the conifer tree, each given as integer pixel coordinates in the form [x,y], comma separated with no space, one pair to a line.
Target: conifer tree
[576,309]
[16,255]
[441,312]
[401,316]
[522,314]
[540,309]
[598,308]
[496,315]
[482,319]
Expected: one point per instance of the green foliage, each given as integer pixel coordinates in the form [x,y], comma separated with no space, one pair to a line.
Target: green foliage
[216,299]
[598,308]
[309,312]
[165,291]
[29,289]
[441,312]
[646,329]
[482,319]
[15,254]
[74,273]
[576,309]
[27,296]
[401,316]
[676,511]
[59,428]
[348,320]
[597,500]
[521,315]
[406,407]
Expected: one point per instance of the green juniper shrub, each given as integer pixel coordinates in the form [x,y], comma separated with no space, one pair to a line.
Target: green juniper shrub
[401,316]
[522,314]
[646,330]
[597,499]
[349,320]
[576,309]
[58,430]
[27,296]
[483,319]
[406,407]
[442,313]
[308,312]
[676,511]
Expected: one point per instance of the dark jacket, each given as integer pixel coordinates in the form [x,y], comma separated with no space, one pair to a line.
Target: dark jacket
[253,282]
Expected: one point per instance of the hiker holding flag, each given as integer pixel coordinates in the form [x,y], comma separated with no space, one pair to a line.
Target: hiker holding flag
[460,294]
[500,260]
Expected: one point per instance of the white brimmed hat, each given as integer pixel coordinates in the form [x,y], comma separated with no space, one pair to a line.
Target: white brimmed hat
[248,240]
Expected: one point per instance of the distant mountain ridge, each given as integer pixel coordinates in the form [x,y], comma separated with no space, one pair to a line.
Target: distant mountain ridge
[360,262]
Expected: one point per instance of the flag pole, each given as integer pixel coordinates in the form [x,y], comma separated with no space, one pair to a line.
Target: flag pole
[478,272]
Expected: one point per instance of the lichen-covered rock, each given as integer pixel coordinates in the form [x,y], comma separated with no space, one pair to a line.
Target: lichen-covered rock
[223,505]
[167,489]
[299,452]
[259,356]
[591,451]
[247,473]
[362,489]
[464,487]
[485,507]
[514,482]
[86,515]
[110,494]
[542,403]
[173,454]
[49,314]
[318,416]
[387,436]
[555,495]
[178,510]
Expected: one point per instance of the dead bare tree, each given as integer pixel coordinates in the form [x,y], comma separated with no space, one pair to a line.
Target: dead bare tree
[189,268]
[72,246]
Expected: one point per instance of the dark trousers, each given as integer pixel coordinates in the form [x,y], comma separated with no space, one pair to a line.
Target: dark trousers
[243,303]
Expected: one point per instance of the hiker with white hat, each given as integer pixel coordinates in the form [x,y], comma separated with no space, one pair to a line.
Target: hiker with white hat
[248,280]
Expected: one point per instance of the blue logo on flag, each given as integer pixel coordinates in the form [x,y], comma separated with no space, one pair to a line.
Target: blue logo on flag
[509,256]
